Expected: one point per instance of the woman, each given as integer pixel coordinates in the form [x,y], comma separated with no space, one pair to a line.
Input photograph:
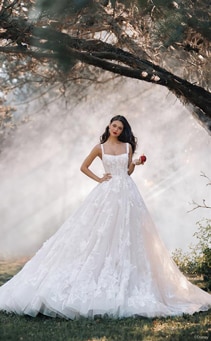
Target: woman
[107,258]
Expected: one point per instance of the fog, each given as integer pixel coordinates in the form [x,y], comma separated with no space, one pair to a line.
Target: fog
[40,180]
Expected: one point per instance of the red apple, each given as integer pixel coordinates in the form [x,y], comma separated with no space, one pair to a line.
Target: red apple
[143,158]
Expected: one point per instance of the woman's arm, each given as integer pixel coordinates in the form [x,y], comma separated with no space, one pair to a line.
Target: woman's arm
[132,164]
[96,151]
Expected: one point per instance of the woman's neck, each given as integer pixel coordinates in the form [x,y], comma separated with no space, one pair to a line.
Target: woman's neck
[113,140]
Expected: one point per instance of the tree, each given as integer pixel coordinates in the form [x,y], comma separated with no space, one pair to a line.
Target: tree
[66,44]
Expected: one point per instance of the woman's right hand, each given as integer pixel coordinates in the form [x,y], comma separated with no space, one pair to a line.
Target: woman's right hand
[106,177]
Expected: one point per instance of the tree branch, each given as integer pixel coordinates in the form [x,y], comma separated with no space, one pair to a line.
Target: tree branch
[60,46]
[205,176]
[204,205]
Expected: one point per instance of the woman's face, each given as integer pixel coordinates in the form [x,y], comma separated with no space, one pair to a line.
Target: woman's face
[116,128]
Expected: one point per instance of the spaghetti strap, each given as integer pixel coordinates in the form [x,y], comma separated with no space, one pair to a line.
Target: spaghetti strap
[102,148]
[127,147]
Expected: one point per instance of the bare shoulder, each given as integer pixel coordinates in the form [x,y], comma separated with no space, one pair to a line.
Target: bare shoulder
[96,151]
[97,148]
[130,148]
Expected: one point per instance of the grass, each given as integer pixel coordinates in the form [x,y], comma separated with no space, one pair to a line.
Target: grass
[41,328]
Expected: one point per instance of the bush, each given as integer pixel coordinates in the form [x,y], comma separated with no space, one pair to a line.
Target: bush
[197,261]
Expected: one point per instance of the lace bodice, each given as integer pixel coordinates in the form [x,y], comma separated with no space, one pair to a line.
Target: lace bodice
[116,164]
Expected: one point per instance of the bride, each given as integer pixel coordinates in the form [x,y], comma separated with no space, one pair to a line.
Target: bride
[107,257]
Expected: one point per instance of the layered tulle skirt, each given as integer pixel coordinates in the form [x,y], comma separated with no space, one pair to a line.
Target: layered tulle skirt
[107,258]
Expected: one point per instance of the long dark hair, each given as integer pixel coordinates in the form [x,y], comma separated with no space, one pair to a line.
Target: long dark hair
[126,135]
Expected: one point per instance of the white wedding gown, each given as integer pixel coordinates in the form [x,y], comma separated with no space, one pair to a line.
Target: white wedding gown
[107,258]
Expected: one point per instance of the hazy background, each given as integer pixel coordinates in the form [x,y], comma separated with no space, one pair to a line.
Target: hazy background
[40,180]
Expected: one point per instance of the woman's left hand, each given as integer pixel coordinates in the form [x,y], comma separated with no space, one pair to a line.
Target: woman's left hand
[140,161]
[137,162]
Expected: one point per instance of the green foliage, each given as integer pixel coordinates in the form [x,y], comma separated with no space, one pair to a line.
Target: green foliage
[175,20]
[62,6]
[170,29]
[205,267]
[206,263]
[187,262]
[197,261]
[203,235]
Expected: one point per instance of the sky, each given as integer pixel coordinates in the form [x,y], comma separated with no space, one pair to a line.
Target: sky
[40,179]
